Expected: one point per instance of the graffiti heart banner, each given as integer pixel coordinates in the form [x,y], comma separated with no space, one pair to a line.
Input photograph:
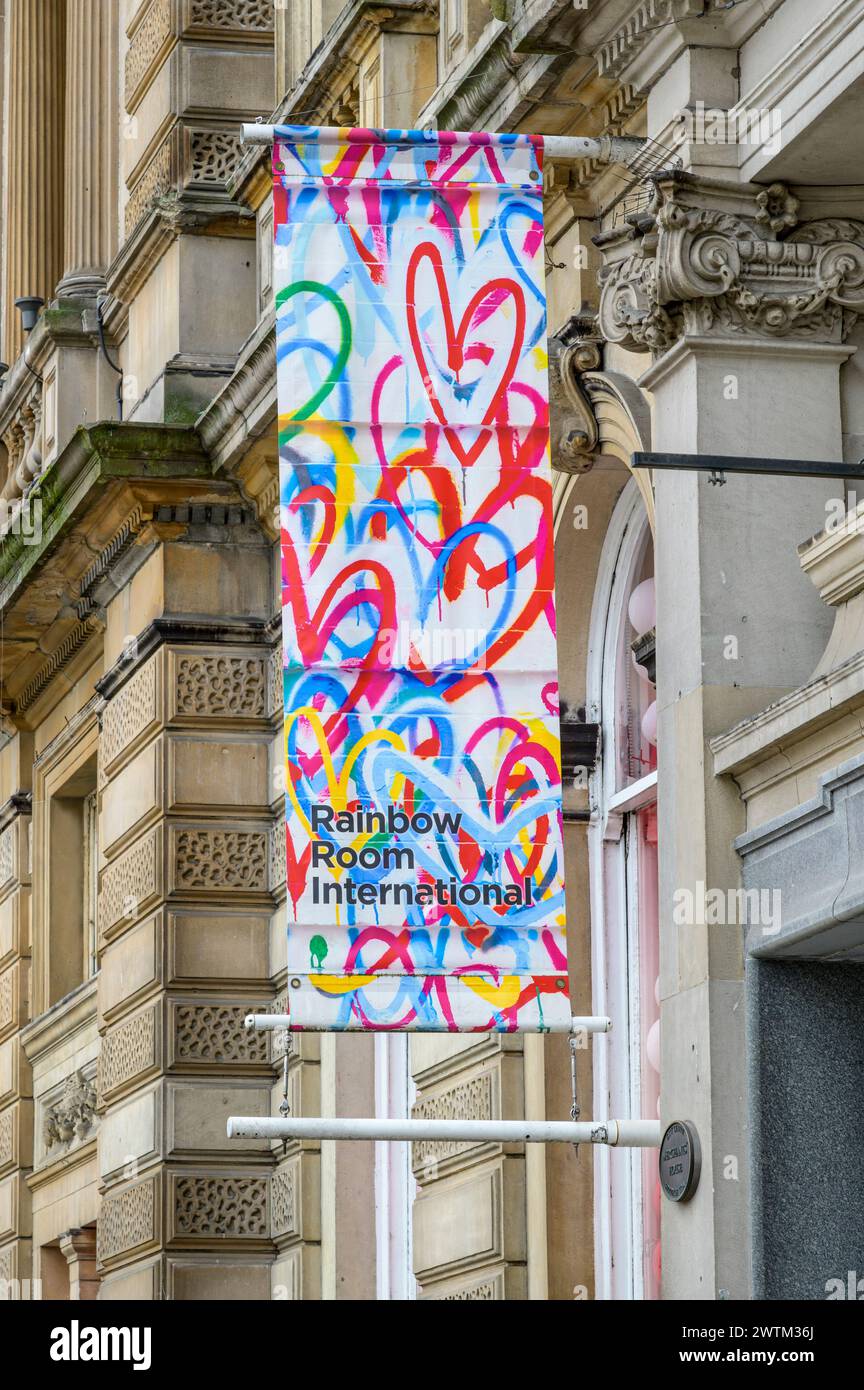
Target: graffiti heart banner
[423,780]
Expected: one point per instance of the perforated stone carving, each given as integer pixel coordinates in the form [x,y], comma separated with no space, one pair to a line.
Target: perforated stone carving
[485,1292]
[131,710]
[146,45]
[233,14]
[126,1220]
[278,856]
[234,1207]
[214,154]
[220,859]
[128,883]
[276,700]
[221,685]
[128,1049]
[282,1202]
[7,1136]
[215,1033]
[7,853]
[155,180]
[7,997]
[469,1100]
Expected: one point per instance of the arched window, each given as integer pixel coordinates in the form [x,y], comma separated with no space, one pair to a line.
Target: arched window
[624,917]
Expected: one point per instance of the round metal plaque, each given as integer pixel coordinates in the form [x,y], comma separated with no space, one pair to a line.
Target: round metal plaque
[680,1161]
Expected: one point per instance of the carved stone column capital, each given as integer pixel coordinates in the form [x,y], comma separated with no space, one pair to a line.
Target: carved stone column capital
[736,261]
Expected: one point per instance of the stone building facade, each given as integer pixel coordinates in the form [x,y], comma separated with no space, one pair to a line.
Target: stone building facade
[712,734]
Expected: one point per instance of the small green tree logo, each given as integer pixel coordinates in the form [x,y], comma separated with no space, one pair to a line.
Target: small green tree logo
[317,952]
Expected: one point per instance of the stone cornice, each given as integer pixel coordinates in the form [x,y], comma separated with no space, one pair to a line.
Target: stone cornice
[250,392]
[822,701]
[834,559]
[61,1022]
[19,804]
[704,259]
[171,215]
[103,503]
[643,44]
[180,630]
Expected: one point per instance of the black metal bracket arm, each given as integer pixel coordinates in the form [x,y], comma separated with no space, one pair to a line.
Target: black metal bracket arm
[718,465]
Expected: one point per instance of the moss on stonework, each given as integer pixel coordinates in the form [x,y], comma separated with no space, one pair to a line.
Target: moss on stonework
[180,410]
[59,316]
[94,456]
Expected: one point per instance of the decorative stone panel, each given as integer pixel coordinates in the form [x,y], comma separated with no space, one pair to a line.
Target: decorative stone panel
[472,1099]
[7,1137]
[148,45]
[7,854]
[213,156]
[127,1220]
[220,1207]
[283,1201]
[276,702]
[214,1034]
[221,860]
[154,181]
[216,686]
[129,714]
[231,14]
[127,1051]
[68,1116]
[278,856]
[13,996]
[486,1292]
[130,884]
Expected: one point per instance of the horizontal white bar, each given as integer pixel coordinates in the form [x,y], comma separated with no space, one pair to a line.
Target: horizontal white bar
[609,149]
[637,795]
[630,1134]
[271,1023]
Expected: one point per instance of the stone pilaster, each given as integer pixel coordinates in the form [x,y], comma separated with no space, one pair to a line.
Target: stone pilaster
[192,878]
[34,158]
[91,146]
[471,1238]
[745,304]
[16,1104]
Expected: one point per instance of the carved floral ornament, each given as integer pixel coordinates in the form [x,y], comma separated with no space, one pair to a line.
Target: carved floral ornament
[687,267]
[70,1119]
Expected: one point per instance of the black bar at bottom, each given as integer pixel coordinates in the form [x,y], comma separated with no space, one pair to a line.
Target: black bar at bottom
[721,463]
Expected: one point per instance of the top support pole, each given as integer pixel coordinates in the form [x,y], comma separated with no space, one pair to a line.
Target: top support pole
[608,149]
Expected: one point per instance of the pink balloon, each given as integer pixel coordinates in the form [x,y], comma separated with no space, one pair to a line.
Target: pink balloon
[642,608]
[649,724]
[640,670]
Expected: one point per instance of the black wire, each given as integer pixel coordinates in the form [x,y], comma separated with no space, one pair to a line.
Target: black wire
[111,363]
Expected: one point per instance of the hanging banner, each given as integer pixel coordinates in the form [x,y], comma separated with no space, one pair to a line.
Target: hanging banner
[423,781]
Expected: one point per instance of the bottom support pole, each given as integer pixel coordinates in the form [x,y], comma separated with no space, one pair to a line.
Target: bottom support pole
[631,1134]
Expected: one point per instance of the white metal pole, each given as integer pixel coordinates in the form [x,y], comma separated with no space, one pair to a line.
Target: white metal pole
[608,149]
[272,1023]
[631,1134]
